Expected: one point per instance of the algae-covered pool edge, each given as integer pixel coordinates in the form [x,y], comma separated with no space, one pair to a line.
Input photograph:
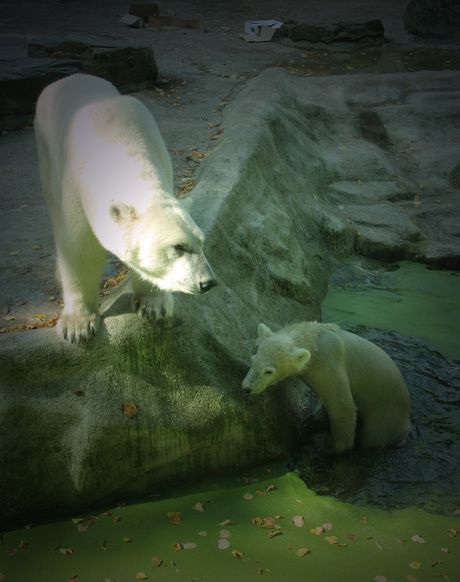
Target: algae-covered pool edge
[344,542]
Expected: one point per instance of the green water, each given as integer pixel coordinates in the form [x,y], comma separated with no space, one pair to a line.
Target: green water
[412,300]
[357,544]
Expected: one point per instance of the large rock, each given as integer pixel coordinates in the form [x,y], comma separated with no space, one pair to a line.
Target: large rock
[122,62]
[118,60]
[345,34]
[436,19]
[295,184]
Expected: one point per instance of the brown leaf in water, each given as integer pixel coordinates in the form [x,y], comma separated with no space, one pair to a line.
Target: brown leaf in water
[199,507]
[418,539]
[331,539]
[303,552]
[257,521]
[298,521]
[224,523]
[351,537]
[176,547]
[237,553]
[157,561]
[275,533]
[73,578]
[415,565]
[174,517]
[141,576]
[129,409]
[23,546]
[65,551]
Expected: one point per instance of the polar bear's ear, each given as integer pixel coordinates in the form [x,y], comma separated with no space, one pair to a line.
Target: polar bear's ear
[187,204]
[301,357]
[122,212]
[264,331]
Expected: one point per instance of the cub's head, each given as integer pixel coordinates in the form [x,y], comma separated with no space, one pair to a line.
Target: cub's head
[164,246]
[277,358]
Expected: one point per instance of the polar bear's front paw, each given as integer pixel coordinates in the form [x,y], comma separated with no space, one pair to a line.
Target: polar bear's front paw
[155,306]
[77,327]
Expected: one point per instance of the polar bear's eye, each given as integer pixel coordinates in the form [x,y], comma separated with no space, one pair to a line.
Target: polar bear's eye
[179,248]
[268,371]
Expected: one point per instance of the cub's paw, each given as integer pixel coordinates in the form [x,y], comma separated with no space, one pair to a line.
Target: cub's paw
[155,306]
[77,327]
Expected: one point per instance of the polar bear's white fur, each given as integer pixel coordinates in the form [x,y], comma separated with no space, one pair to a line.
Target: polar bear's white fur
[352,377]
[108,182]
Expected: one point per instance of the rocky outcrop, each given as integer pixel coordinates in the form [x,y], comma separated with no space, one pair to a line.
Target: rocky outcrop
[435,19]
[354,35]
[125,64]
[297,182]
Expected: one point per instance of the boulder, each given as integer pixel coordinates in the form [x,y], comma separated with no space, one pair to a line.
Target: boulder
[118,60]
[124,63]
[355,35]
[294,186]
[435,19]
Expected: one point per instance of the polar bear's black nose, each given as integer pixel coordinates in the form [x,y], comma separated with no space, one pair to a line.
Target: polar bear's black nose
[207,285]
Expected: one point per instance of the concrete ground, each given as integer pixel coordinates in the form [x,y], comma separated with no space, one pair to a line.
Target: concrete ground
[199,74]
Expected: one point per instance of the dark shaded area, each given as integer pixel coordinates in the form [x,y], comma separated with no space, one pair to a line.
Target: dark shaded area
[424,469]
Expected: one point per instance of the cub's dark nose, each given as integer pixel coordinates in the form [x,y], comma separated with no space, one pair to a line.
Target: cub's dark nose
[207,285]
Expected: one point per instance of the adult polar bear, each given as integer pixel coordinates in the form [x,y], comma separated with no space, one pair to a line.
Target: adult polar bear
[108,182]
[351,376]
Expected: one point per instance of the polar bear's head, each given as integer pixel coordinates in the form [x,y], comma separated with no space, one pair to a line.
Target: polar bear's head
[277,358]
[164,246]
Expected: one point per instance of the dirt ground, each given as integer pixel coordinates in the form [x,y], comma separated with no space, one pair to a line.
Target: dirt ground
[199,74]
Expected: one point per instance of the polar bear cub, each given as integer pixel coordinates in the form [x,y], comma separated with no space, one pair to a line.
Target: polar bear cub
[108,182]
[352,377]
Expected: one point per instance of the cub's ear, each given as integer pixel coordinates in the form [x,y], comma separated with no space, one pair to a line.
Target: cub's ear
[263,331]
[122,213]
[301,357]
[187,204]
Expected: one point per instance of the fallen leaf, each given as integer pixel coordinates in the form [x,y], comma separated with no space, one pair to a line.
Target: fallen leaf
[103,544]
[14,253]
[415,565]
[331,539]
[362,519]
[247,496]
[157,561]
[237,553]
[327,526]
[317,531]
[73,578]
[411,578]
[436,562]
[418,539]
[303,552]
[176,547]
[174,517]
[275,533]
[23,546]
[141,576]
[188,546]
[379,546]
[257,521]
[116,519]
[127,540]
[199,507]
[445,550]
[298,520]
[224,523]
[129,409]
[269,521]
[351,537]
[202,533]
[65,551]
[225,534]
[223,544]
